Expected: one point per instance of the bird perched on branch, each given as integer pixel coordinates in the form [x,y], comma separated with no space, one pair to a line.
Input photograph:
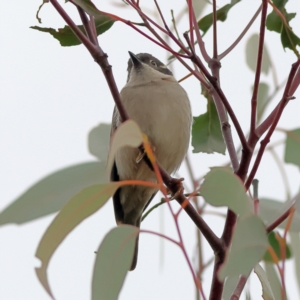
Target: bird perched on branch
[154,99]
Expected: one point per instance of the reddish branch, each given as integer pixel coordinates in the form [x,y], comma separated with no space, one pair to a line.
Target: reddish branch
[211,82]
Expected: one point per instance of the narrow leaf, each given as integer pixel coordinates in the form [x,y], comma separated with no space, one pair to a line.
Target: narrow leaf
[292,147]
[274,280]
[249,244]
[251,55]
[51,193]
[98,141]
[66,37]
[206,22]
[127,134]
[295,245]
[274,243]
[267,293]
[229,286]
[81,206]
[222,188]
[113,260]
[206,130]
[262,99]
[270,210]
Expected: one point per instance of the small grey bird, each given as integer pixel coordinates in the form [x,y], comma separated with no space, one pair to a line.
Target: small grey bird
[154,99]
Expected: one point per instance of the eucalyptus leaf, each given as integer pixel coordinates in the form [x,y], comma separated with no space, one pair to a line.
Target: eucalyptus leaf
[128,134]
[295,245]
[249,244]
[206,130]
[275,23]
[273,280]
[51,193]
[66,36]
[292,147]
[262,99]
[223,188]
[270,210]
[206,22]
[78,208]
[98,141]
[267,293]
[113,260]
[274,243]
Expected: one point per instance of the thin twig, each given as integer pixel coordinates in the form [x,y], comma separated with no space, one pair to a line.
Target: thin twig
[258,67]
[231,47]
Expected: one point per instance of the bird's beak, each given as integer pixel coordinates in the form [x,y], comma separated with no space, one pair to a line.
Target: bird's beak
[135,60]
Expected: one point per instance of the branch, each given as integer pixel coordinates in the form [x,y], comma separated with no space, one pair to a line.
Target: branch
[215,41]
[222,55]
[223,98]
[287,96]
[172,183]
[258,67]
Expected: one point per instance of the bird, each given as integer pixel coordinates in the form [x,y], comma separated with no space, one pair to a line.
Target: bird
[155,100]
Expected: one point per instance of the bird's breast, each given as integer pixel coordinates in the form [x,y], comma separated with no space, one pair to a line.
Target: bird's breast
[162,110]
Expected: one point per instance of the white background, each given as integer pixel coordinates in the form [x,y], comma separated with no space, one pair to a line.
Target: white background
[52,96]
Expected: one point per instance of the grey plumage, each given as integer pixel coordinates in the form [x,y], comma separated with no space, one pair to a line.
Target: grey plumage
[154,99]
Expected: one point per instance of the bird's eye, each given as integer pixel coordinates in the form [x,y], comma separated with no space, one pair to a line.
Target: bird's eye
[153,63]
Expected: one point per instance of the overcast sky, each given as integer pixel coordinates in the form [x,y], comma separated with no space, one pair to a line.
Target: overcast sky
[52,96]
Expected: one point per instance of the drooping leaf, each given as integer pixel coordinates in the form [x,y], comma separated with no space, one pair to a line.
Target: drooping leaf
[206,130]
[267,293]
[270,210]
[275,23]
[229,286]
[127,134]
[79,207]
[274,243]
[51,193]
[206,22]
[249,244]
[222,188]
[292,147]
[113,260]
[251,54]
[295,245]
[274,280]
[262,99]
[98,141]
[66,37]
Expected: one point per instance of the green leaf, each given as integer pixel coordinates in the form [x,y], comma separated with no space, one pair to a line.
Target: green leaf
[206,130]
[266,287]
[295,245]
[249,244]
[51,193]
[274,243]
[98,141]
[274,280]
[292,147]
[251,55]
[206,22]
[275,23]
[262,99]
[229,286]
[113,260]
[270,210]
[222,188]
[80,206]
[66,37]
[128,134]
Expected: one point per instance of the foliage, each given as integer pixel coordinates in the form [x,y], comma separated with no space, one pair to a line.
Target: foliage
[256,228]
